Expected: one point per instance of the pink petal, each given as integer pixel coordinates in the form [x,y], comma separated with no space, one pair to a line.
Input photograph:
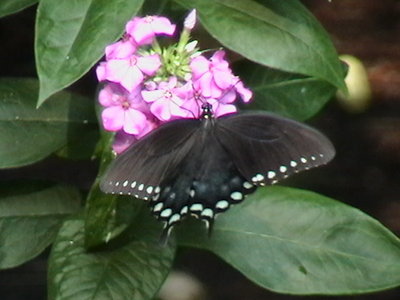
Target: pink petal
[121,49]
[149,64]
[101,71]
[223,79]
[185,92]
[148,127]
[192,106]
[122,141]
[134,121]
[244,92]
[228,97]
[113,118]
[132,24]
[218,60]
[140,30]
[151,96]
[116,69]
[199,66]
[208,88]
[106,96]
[203,85]
[223,109]
[162,25]
[176,110]
[160,110]
[132,79]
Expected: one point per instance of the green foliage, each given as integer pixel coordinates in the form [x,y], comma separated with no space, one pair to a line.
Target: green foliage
[298,242]
[285,240]
[279,34]
[106,215]
[8,7]
[291,95]
[28,134]
[71,37]
[30,216]
[133,269]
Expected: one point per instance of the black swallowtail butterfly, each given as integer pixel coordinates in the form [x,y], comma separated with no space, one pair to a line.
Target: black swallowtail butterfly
[203,166]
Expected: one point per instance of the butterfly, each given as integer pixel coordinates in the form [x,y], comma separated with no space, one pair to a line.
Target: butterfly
[203,166]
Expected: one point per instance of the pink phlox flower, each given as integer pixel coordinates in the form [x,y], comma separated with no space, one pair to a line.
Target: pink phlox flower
[143,30]
[212,77]
[123,111]
[124,48]
[130,72]
[165,103]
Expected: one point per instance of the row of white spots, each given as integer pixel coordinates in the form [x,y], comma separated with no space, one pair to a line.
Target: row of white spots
[150,190]
[259,178]
[197,209]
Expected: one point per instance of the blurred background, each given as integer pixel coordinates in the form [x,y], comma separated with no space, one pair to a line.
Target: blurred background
[365,130]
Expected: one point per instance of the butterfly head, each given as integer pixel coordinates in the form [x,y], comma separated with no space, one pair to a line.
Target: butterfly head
[207,112]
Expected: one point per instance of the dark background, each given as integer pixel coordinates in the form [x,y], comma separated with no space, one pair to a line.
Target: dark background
[365,173]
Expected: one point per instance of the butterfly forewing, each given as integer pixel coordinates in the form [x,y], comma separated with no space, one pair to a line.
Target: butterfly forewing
[266,148]
[140,170]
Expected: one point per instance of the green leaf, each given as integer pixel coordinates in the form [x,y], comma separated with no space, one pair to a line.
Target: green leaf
[298,242]
[100,208]
[8,7]
[30,216]
[81,147]
[28,134]
[134,270]
[287,94]
[279,34]
[106,216]
[71,37]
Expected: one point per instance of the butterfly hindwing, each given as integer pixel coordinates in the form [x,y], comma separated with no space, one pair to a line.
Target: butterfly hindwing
[266,148]
[207,183]
[140,170]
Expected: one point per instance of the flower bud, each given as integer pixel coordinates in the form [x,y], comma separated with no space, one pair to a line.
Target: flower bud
[190,20]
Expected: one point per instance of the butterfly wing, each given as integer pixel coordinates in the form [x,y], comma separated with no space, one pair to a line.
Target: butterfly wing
[207,183]
[140,170]
[266,148]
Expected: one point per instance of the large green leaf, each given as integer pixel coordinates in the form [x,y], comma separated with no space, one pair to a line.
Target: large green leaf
[279,34]
[106,216]
[71,37]
[28,134]
[298,242]
[134,270]
[12,6]
[30,216]
[287,94]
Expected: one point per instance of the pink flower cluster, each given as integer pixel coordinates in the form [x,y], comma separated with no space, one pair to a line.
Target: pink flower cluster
[146,85]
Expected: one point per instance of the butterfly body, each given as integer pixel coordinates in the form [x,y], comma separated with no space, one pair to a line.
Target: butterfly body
[201,167]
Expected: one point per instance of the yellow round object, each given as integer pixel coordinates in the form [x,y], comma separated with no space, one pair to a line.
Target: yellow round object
[358,97]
